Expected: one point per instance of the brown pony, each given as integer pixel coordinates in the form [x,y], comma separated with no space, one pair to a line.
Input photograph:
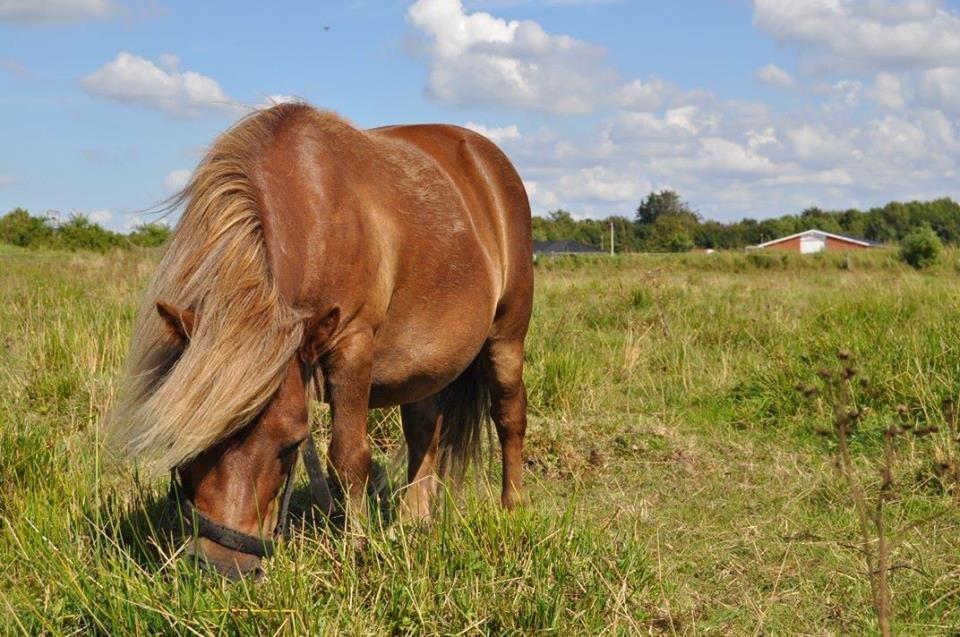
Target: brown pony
[395,263]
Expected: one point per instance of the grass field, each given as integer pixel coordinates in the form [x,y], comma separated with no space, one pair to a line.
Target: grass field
[677,483]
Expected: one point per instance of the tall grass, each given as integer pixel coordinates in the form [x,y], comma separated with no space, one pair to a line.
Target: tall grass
[676,480]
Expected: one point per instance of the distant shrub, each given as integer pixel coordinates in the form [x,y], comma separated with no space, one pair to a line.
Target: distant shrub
[921,247]
[678,242]
[19,228]
[149,235]
[80,234]
[762,260]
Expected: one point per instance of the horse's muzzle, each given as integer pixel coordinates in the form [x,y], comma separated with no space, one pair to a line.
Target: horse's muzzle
[230,564]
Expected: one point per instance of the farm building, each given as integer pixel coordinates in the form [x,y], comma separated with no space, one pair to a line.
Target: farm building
[810,241]
[562,247]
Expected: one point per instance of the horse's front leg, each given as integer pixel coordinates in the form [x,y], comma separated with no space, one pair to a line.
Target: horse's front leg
[347,371]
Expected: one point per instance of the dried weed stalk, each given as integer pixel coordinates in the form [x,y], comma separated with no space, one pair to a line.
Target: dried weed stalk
[877,541]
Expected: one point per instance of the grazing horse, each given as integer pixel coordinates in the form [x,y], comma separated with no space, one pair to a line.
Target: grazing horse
[393,263]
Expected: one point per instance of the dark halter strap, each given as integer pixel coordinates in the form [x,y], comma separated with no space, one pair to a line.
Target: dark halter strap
[235,540]
[198,523]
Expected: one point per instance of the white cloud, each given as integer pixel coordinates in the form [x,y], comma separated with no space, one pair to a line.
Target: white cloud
[815,144]
[101,217]
[55,11]
[601,184]
[176,180]
[895,139]
[476,58]
[674,124]
[640,96]
[133,79]
[775,76]
[496,135]
[277,98]
[6,180]
[941,87]
[759,138]
[887,90]
[842,94]
[169,61]
[720,156]
[830,177]
[864,34]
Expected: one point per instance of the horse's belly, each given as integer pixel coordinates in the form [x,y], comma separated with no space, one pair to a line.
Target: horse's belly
[405,375]
[412,362]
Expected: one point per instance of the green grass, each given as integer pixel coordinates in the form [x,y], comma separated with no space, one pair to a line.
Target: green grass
[676,482]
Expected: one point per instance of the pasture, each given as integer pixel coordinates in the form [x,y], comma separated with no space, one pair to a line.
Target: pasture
[677,480]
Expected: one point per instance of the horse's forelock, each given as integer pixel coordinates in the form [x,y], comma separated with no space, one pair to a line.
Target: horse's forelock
[174,405]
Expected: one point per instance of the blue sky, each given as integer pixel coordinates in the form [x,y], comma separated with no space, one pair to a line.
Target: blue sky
[747,108]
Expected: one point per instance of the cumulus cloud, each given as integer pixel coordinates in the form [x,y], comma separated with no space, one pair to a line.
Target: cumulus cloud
[775,76]
[494,134]
[55,11]
[887,90]
[865,34]
[910,48]
[176,180]
[135,80]
[656,94]
[940,87]
[476,58]
[601,184]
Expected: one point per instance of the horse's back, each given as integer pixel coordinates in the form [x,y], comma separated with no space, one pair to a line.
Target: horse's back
[419,234]
[492,192]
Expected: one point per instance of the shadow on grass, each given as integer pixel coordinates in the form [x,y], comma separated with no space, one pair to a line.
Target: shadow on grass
[148,529]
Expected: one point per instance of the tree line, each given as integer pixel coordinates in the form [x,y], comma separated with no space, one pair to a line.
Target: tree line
[664,222]
[18,227]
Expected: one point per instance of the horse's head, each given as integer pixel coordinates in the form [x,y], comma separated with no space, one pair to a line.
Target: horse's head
[233,489]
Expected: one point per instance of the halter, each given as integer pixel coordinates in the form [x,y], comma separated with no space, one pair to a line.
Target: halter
[235,540]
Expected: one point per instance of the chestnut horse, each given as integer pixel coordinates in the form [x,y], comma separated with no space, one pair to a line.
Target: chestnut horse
[395,263]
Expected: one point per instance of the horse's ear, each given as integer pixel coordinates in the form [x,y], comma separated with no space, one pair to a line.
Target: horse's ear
[180,322]
[317,330]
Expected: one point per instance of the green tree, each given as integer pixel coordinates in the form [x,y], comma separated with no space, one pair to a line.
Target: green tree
[665,222]
[665,202]
[921,247]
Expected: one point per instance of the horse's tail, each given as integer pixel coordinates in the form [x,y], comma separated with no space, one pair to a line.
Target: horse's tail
[465,404]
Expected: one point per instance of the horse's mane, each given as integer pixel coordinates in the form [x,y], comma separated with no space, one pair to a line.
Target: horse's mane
[174,405]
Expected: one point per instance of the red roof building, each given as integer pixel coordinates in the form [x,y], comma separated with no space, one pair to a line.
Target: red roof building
[811,241]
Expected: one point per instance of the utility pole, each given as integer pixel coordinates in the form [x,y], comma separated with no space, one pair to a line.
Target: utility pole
[611,238]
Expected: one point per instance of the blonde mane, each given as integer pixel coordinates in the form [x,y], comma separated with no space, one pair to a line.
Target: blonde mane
[174,405]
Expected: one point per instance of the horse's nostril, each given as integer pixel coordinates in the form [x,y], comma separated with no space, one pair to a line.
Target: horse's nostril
[229,564]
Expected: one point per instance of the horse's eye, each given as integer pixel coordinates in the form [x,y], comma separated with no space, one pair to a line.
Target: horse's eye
[286,451]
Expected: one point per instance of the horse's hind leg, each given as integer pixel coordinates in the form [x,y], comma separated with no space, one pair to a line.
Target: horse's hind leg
[421,428]
[508,407]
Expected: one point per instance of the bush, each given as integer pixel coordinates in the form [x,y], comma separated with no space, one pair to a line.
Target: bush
[80,234]
[149,235]
[921,247]
[678,242]
[19,228]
